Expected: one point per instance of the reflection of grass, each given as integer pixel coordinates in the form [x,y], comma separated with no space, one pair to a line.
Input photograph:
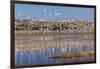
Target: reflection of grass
[26,41]
[74,55]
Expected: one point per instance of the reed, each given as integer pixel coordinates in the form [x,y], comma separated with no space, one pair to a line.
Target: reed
[80,54]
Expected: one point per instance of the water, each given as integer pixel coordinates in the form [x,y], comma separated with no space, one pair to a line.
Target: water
[41,57]
[53,45]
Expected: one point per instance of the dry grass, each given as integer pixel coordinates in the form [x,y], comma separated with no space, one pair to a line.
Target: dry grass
[74,55]
[33,33]
[24,43]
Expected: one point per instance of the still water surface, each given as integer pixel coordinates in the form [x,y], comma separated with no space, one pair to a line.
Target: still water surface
[42,56]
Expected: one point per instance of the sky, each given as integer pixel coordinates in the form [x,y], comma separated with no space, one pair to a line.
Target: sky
[53,13]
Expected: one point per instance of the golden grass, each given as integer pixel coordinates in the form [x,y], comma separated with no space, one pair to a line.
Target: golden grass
[74,55]
[33,33]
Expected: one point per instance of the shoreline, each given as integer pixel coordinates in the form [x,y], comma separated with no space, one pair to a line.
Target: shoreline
[30,33]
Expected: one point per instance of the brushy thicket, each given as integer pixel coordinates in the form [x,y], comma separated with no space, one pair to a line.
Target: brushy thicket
[79,26]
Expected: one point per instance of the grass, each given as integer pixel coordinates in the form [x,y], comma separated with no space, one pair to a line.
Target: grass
[30,33]
[74,55]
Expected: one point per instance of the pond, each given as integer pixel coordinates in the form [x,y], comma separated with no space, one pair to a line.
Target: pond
[41,56]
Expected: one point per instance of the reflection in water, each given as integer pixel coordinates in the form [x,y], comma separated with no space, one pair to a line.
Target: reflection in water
[41,56]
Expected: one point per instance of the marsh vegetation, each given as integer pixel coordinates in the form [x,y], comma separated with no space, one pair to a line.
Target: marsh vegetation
[67,42]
